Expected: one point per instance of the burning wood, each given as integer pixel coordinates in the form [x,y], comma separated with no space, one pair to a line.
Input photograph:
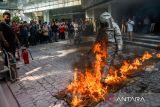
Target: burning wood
[86,88]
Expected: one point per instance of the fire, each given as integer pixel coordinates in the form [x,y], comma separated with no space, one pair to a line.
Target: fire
[158,55]
[126,69]
[76,101]
[137,62]
[130,67]
[87,85]
[113,78]
[146,56]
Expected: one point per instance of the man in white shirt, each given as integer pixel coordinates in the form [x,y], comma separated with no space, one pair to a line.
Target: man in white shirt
[130,25]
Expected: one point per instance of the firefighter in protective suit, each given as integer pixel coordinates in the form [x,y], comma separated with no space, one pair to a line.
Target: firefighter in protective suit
[115,43]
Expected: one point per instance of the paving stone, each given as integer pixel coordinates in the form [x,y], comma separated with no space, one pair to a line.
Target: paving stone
[38,79]
[27,105]
[42,103]
[50,72]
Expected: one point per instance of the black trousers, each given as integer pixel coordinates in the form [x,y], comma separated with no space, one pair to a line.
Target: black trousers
[62,35]
[32,40]
[25,41]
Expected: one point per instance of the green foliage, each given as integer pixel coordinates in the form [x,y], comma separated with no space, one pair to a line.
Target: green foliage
[16,19]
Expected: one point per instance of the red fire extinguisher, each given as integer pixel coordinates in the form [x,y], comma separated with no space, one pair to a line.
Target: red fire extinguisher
[25,56]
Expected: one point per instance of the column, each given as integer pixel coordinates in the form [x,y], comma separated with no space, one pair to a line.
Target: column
[46,16]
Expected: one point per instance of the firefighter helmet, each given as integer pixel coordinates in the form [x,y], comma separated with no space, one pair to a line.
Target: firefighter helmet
[104,17]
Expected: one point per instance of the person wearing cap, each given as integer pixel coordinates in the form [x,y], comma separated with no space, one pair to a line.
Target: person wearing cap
[110,29]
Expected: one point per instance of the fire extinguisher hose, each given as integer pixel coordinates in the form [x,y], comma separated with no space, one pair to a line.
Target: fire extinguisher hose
[30,54]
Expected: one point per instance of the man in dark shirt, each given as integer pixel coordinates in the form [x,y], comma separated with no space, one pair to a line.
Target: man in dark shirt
[33,32]
[8,38]
[54,28]
[8,41]
[70,32]
[24,34]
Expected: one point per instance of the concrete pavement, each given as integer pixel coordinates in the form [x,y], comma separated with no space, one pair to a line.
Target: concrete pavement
[49,72]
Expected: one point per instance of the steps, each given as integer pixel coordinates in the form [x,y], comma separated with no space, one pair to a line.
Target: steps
[148,41]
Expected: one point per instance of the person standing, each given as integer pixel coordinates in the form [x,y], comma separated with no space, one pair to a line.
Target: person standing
[130,24]
[33,31]
[75,29]
[110,30]
[8,39]
[45,31]
[50,32]
[15,27]
[66,30]
[24,34]
[123,26]
[70,32]
[54,28]
[62,31]
[39,32]
[146,25]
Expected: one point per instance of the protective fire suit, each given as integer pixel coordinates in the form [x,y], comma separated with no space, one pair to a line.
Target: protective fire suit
[114,46]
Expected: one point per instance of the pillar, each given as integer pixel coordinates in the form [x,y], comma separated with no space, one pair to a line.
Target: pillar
[46,16]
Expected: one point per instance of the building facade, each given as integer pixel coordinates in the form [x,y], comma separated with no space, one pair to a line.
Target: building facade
[121,8]
[47,10]
[9,5]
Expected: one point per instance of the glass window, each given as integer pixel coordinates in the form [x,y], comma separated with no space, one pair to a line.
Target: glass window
[52,4]
[59,1]
[61,5]
[70,4]
[56,2]
[76,2]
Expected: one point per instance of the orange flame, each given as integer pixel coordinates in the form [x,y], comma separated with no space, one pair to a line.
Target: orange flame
[76,101]
[146,56]
[126,69]
[87,84]
[158,55]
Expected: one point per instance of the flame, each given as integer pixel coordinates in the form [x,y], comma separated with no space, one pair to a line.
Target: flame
[127,68]
[76,101]
[113,78]
[88,84]
[158,55]
[146,56]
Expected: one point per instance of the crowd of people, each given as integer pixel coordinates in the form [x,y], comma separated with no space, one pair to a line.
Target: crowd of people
[14,35]
[34,33]
[138,25]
